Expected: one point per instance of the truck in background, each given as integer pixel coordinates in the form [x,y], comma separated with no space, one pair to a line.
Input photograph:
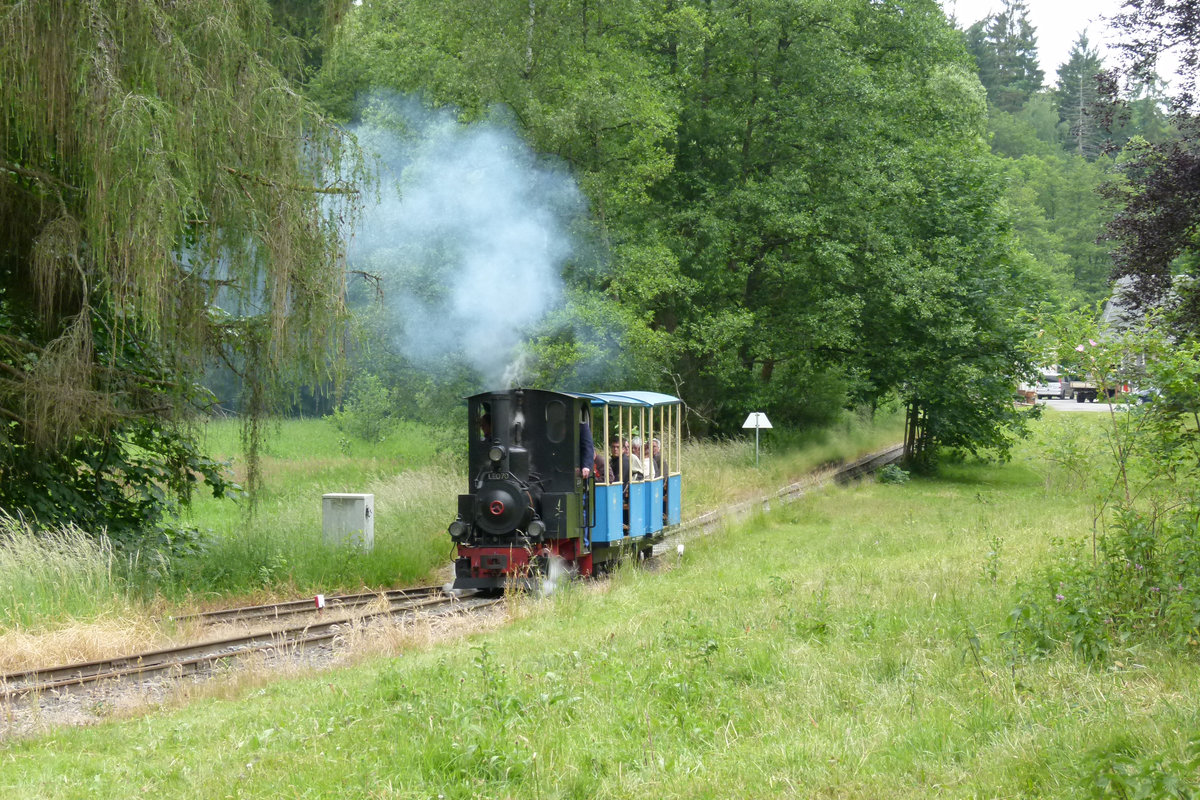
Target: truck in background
[1079,389]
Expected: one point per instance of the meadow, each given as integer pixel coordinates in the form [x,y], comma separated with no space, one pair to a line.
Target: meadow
[275,549]
[852,644]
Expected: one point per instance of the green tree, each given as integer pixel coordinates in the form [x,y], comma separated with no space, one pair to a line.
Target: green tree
[1077,91]
[1005,49]
[782,192]
[156,163]
[1059,218]
[832,202]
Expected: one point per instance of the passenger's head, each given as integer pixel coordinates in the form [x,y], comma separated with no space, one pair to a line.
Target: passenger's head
[614,446]
[637,444]
[655,446]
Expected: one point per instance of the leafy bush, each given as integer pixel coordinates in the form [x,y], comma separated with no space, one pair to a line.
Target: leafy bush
[1140,583]
[368,413]
[1135,580]
[893,474]
[1123,772]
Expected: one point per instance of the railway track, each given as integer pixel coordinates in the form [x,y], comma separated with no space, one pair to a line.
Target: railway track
[192,658]
[840,474]
[306,607]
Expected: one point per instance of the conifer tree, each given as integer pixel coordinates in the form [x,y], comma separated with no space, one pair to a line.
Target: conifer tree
[1005,49]
[1076,93]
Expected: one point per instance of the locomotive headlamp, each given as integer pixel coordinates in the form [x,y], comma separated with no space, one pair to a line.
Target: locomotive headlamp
[536,529]
[458,530]
[496,454]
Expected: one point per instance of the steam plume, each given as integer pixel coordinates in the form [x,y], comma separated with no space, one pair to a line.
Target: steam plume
[470,234]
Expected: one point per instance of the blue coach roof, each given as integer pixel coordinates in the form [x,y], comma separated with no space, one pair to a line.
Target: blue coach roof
[627,398]
[639,398]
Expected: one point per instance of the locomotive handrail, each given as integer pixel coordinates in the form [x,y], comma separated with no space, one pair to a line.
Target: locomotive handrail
[590,507]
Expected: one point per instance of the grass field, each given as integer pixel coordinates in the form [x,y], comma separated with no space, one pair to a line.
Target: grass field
[72,582]
[849,645]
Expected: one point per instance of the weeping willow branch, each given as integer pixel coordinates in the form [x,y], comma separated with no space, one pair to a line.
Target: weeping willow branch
[38,175]
[132,118]
[342,190]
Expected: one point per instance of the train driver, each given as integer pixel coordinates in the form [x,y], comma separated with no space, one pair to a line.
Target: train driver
[587,448]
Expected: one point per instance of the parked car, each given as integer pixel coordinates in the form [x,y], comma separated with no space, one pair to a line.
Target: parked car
[1146,395]
[1049,386]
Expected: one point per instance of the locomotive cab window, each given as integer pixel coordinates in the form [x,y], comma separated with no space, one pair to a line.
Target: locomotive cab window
[556,421]
[483,423]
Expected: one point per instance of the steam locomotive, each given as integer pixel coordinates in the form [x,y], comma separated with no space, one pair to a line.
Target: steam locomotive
[532,514]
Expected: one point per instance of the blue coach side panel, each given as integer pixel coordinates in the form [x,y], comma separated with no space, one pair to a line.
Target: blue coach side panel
[637,508]
[674,499]
[608,515]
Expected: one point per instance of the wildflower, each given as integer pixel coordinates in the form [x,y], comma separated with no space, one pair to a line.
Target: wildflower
[1079,347]
[1059,597]
[1092,342]
[1154,588]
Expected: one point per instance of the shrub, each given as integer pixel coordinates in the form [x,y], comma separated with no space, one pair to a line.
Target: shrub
[368,413]
[1135,580]
[893,474]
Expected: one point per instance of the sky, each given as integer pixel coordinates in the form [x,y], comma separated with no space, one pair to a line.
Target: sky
[1056,22]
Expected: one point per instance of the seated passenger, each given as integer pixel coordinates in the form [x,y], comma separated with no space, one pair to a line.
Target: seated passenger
[656,455]
[618,464]
[635,459]
[648,467]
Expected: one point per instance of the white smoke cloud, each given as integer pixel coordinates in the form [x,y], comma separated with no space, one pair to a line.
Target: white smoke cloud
[470,234]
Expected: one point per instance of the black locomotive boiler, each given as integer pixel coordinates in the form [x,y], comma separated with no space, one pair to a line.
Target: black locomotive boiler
[565,482]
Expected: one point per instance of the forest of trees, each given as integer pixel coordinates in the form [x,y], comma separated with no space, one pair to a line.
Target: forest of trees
[794,203]
[794,207]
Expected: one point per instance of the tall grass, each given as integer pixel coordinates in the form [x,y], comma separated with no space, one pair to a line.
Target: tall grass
[721,472]
[280,550]
[55,574]
[415,475]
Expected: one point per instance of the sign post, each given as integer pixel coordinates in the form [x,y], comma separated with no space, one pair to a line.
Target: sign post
[757,420]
